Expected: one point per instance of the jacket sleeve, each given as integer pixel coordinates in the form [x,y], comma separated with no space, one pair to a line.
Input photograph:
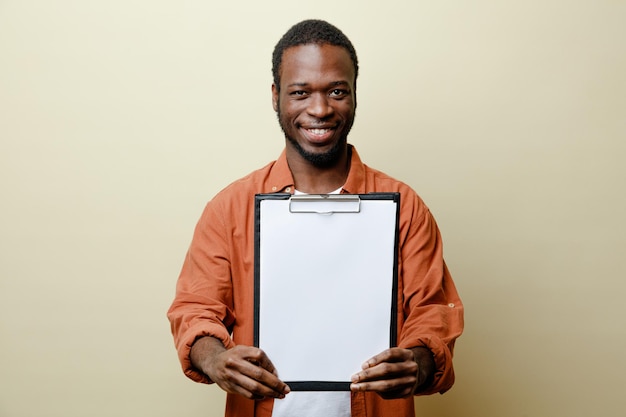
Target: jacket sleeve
[203,305]
[432,312]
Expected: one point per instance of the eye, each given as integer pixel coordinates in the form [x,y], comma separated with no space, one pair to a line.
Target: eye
[338,93]
[298,93]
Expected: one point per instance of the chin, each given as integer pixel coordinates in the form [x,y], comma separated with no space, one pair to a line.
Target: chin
[322,159]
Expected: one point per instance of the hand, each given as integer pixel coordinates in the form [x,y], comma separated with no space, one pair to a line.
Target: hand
[396,372]
[243,370]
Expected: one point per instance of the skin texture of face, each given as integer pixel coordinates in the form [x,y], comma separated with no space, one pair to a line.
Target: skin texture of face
[316,102]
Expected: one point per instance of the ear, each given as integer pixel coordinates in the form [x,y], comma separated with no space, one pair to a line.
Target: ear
[275,97]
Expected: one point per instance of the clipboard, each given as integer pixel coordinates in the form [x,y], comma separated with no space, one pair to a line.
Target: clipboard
[325,284]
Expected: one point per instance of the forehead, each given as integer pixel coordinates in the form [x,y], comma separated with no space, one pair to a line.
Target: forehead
[312,62]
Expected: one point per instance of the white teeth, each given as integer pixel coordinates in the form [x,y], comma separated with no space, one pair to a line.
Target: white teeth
[318,131]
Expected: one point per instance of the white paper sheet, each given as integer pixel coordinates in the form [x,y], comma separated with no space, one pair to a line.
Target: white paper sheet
[326,284]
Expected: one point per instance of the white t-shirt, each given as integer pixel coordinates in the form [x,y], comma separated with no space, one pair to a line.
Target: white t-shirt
[313,403]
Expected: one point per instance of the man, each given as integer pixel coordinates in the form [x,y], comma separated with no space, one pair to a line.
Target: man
[314,95]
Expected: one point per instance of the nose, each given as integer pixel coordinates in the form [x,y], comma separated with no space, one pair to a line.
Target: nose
[320,106]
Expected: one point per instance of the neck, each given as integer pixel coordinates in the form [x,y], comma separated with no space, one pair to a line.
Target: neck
[311,179]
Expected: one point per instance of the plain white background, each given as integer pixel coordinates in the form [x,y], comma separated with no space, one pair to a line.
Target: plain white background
[120,119]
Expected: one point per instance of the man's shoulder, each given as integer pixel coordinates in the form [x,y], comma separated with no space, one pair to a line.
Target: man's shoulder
[254,183]
[383,182]
[410,200]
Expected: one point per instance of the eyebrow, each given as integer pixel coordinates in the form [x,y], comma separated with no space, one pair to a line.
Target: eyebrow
[333,83]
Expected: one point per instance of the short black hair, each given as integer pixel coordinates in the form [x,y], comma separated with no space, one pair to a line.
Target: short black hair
[311,31]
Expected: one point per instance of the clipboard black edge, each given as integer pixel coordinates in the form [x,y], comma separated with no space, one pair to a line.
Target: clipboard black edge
[318,385]
[258,198]
[393,333]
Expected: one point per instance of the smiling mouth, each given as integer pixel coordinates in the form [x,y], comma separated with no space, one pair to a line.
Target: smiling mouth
[319,136]
[318,132]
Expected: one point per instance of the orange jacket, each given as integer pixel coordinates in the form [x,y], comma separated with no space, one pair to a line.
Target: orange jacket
[214,293]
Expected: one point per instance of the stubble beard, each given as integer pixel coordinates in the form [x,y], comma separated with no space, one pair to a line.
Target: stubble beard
[320,160]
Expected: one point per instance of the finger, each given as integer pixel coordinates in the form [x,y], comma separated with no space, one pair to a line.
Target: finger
[260,390]
[262,381]
[244,372]
[252,382]
[259,358]
[393,388]
[387,370]
[255,356]
[243,388]
[389,355]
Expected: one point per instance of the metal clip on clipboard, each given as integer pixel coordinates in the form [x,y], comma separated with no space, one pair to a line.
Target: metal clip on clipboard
[325,203]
